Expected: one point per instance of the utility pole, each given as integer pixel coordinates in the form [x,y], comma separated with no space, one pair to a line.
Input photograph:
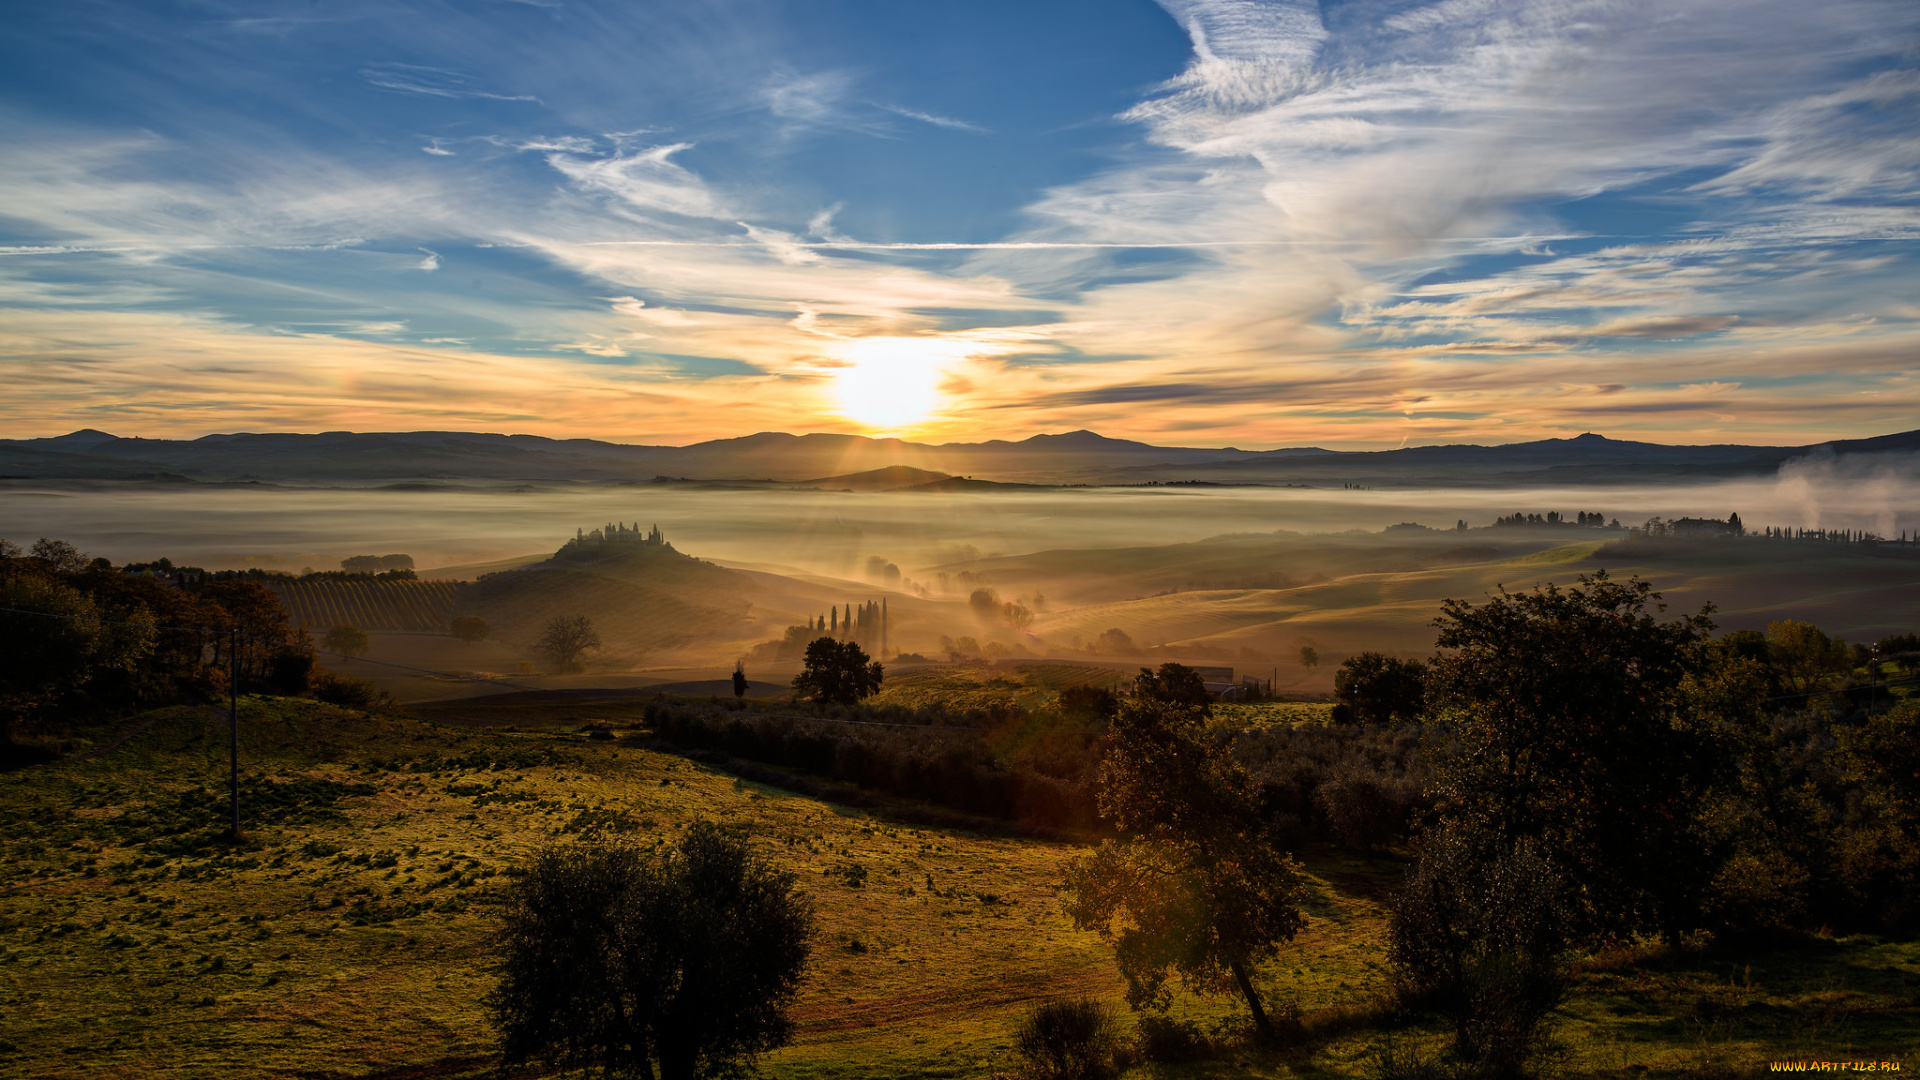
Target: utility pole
[233,724]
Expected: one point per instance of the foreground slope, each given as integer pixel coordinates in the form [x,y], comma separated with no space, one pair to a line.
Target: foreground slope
[347,937]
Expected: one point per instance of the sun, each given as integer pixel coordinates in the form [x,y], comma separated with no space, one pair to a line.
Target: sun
[893,382]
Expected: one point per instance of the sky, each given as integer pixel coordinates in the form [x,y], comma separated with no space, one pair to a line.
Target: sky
[1355,225]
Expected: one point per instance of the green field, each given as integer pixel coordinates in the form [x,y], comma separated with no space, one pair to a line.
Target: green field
[347,937]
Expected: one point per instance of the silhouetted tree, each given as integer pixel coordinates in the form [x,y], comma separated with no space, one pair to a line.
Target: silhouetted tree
[350,640]
[687,957]
[469,628]
[739,681]
[565,638]
[1309,656]
[49,657]
[1381,689]
[1573,731]
[1095,703]
[256,612]
[839,672]
[58,556]
[1194,882]
[1173,684]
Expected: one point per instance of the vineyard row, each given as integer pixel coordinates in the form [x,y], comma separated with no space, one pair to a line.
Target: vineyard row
[370,605]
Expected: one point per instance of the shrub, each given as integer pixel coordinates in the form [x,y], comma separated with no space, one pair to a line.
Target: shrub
[1069,1039]
[1166,1040]
[348,693]
[290,672]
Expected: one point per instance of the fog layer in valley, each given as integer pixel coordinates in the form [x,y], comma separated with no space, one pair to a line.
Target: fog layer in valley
[836,532]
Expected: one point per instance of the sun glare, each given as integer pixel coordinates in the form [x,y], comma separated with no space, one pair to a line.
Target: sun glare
[891,383]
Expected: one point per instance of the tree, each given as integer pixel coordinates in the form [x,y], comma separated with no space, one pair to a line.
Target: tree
[565,638]
[58,556]
[1804,655]
[687,957]
[469,628]
[1572,730]
[1478,933]
[1381,689]
[51,656]
[739,681]
[1309,656]
[838,672]
[1193,883]
[1173,684]
[350,640]
[255,611]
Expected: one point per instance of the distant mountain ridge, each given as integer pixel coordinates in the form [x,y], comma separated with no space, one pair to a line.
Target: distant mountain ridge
[862,463]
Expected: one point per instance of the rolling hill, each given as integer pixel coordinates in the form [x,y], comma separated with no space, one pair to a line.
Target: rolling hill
[860,463]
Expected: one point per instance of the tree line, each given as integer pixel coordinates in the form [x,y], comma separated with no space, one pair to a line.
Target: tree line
[1602,774]
[85,639]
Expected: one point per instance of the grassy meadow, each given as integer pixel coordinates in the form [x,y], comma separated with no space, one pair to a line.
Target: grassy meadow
[347,936]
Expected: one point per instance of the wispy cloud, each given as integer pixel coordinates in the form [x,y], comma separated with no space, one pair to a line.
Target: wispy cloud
[935,120]
[432,82]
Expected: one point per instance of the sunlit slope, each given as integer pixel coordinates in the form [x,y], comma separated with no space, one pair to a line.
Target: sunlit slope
[1264,561]
[650,602]
[1848,590]
[642,601]
[1265,628]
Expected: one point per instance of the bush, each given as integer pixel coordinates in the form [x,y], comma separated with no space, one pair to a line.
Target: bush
[1070,1039]
[1166,1040]
[1477,933]
[290,672]
[349,693]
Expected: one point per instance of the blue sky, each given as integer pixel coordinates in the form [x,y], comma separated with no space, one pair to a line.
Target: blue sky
[1202,221]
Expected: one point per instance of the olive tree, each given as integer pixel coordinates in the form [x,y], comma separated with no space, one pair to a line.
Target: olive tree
[686,957]
[1193,881]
